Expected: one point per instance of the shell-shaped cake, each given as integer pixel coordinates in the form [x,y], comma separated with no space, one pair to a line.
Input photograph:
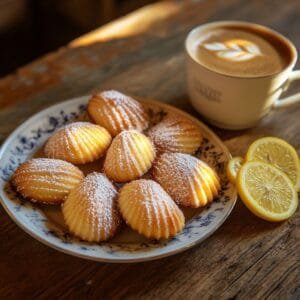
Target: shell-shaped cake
[176,134]
[117,112]
[90,211]
[129,156]
[46,180]
[149,210]
[187,179]
[78,143]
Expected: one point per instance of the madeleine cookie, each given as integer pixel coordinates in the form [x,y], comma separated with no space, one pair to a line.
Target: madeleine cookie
[117,112]
[187,179]
[176,134]
[90,211]
[78,143]
[129,157]
[149,210]
[46,180]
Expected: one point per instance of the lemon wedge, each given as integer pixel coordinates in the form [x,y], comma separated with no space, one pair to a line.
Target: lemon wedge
[267,191]
[278,153]
[233,168]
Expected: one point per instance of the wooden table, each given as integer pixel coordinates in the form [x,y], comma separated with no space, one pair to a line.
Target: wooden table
[143,54]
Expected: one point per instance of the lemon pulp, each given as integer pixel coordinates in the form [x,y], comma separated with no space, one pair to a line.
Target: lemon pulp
[267,191]
[278,153]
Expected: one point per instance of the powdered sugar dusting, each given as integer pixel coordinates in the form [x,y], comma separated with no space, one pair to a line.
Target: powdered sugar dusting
[176,134]
[158,115]
[181,176]
[154,207]
[98,189]
[117,97]
[149,194]
[47,164]
[185,164]
[50,169]
[100,195]
[63,140]
[117,112]
[46,180]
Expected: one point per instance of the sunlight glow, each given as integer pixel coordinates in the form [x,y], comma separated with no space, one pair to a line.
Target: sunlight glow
[132,24]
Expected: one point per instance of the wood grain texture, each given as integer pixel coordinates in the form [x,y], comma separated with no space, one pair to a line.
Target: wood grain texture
[246,258]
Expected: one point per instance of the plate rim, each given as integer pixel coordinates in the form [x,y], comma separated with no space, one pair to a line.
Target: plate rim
[84,98]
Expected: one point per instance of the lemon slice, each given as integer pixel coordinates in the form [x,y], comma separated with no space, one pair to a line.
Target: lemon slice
[233,168]
[278,153]
[267,191]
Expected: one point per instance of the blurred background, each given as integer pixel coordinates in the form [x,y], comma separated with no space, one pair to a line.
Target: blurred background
[30,28]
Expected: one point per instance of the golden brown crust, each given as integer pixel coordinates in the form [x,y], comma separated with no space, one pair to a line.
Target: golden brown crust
[149,210]
[188,180]
[46,180]
[90,211]
[176,134]
[78,143]
[90,205]
[129,157]
[117,112]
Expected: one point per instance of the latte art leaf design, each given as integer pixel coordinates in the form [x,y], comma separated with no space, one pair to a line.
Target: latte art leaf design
[235,50]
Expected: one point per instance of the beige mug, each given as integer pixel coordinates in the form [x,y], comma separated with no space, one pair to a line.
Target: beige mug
[234,102]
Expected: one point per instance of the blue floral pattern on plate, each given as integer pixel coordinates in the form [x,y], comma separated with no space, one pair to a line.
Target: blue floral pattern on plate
[32,134]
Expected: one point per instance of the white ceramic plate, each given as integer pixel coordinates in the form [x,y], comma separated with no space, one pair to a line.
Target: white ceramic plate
[45,223]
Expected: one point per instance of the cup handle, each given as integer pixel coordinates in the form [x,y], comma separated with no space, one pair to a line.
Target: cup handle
[285,102]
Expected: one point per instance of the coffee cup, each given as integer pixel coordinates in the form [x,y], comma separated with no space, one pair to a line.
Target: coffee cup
[233,83]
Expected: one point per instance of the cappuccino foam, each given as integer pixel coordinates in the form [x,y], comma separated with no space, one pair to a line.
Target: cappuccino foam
[239,52]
